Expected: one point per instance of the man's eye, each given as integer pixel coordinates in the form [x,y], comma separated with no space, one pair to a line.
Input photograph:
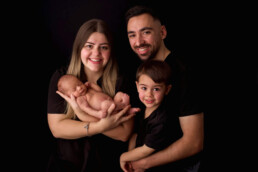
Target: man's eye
[146,32]
[131,35]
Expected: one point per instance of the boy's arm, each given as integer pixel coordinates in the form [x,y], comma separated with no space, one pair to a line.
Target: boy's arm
[189,144]
[132,142]
[137,153]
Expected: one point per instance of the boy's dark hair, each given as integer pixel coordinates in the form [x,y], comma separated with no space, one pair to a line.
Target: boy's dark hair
[140,9]
[158,71]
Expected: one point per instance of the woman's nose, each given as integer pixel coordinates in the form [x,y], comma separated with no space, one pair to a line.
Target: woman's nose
[96,51]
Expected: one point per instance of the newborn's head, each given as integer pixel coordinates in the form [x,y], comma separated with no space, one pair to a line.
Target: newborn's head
[69,84]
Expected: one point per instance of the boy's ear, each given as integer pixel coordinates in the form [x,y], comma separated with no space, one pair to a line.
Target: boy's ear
[136,82]
[168,89]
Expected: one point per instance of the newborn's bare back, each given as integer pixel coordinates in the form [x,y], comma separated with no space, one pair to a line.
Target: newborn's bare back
[97,99]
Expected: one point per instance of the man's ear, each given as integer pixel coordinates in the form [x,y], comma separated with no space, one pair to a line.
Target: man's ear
[168,89]
[163,31]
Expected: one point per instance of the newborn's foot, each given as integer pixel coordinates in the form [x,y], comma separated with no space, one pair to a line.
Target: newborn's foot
[122,98]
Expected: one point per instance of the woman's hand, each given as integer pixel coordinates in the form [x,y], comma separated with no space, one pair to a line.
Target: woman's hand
[71,100]
[113,120]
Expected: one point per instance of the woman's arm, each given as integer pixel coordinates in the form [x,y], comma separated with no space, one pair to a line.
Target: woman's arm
[189,144]
[122,131]
[82,115]
[62,127]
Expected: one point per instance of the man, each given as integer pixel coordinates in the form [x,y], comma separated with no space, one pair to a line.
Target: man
[146,37]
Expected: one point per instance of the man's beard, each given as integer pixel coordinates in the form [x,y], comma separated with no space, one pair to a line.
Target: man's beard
[153,55]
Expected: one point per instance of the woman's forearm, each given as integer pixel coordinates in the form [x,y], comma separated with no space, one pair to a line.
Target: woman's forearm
[121,132]
[65,128]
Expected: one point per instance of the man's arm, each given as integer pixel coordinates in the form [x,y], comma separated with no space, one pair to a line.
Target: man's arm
[189,144]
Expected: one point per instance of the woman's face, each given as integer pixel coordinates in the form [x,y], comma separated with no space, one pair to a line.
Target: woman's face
[96,52]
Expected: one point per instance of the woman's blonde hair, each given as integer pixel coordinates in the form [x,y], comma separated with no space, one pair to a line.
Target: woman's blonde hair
[76,67]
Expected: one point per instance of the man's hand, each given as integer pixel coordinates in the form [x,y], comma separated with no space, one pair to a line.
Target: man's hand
[138,166]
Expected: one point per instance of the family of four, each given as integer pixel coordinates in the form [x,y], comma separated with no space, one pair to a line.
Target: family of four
[90,112]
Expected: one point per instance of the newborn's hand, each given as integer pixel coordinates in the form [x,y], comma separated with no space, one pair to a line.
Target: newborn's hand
[82,101]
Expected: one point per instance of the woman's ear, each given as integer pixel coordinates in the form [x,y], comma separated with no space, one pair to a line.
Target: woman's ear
[168,89]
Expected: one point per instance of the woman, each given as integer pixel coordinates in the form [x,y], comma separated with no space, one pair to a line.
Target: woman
[92,60]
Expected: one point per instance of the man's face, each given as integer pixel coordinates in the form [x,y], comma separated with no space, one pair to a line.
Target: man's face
[145,36]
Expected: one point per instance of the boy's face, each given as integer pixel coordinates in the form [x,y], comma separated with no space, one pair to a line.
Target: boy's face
[151,94]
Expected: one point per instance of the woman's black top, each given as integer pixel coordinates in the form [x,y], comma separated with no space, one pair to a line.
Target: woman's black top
[97,153]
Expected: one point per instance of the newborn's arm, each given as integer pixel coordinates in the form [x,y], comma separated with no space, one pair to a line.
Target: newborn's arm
[93,86]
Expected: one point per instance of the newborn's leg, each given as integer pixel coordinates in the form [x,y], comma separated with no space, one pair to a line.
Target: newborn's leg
[105,106]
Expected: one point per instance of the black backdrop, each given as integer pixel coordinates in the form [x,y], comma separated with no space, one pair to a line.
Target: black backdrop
[40,41]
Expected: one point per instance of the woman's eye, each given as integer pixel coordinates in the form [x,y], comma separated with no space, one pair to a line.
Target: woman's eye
[104,48]
[88,46]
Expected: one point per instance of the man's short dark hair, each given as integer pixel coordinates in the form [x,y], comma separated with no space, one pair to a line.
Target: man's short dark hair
[139,10]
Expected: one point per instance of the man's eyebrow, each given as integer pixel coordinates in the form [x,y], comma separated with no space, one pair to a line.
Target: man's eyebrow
[146,28]
[142,29]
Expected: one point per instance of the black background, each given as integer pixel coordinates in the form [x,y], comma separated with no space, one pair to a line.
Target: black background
[38,37]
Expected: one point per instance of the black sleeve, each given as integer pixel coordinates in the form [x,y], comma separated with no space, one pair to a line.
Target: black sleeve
[56,104]
[162,131]
[191,93]
[186,93]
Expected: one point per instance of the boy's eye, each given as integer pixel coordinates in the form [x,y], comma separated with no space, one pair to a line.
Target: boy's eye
[156,89]
[143,88]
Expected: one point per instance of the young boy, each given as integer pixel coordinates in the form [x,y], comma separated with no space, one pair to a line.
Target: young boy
[156,128]
[90,97]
